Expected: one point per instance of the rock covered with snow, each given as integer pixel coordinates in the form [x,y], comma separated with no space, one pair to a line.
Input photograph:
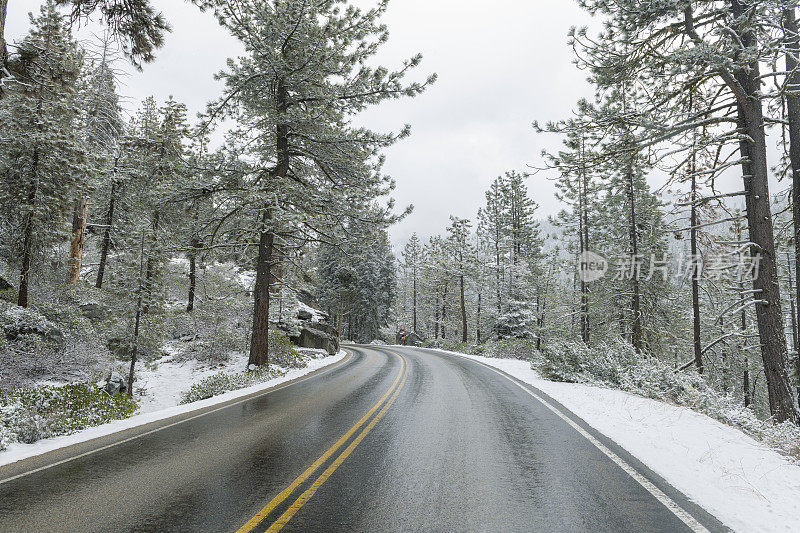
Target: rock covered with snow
[115,383]
[94,311]
[315,330]
[18,321]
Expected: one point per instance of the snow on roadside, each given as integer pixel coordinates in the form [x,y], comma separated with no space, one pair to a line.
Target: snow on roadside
[165,383]
[746,485]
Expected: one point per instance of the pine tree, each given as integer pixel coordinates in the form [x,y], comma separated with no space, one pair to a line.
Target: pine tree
[413,259]
[303,78]
[676,47]
[42,161]
[461,263]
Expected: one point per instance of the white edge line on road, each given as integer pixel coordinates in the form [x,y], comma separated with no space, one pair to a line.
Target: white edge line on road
[324,370]
[648,485]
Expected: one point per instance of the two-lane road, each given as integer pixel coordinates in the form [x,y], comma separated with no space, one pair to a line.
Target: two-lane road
[391,439]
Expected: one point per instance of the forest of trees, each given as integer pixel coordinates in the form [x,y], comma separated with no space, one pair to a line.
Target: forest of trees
[294,187]
[689,96]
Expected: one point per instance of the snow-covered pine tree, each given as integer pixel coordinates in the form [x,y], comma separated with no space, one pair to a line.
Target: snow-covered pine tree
[575,187]
[491,226]
[461,263]
[101,129]
[136,24]
[155,169]
[303,78]
[42,161]
[676,46]
[356,278]
[413,259]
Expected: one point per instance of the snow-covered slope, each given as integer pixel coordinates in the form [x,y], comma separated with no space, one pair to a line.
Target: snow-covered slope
[746,485]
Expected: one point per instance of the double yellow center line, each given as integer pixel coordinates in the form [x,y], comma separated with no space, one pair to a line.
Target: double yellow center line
[383,404]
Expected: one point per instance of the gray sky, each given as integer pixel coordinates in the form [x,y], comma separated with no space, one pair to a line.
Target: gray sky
[501,65]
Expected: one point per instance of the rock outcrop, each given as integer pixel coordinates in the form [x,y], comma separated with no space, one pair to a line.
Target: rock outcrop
[316,331]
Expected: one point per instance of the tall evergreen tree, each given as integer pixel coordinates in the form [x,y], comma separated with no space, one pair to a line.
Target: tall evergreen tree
[304,76]
[42,161]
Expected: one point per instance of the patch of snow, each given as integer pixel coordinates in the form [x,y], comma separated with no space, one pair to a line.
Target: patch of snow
[164,380]
[179,261]
[161,405]
[247,279]
[746,485]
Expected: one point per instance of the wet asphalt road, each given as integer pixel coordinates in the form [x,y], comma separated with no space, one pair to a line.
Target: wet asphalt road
[448,445]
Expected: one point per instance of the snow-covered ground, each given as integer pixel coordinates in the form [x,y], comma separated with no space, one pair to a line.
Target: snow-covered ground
[746,485]
[163,384]
[163,381]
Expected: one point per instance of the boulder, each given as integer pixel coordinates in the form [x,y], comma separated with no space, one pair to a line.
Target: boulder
[5,285]
[305,296]
[115,383]
[182,334]
[302,314]
[311,337]
[94,312]
[28,322]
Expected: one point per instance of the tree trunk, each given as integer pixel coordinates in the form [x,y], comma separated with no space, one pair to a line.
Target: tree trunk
[3,47]
[259,345]
[135,349]
[463,313]
[583,239]
[195,245]
[794,324]
[498,273]
[748,399]
[755,169]
[696,341]
[436,319]
[414,312]
[478,321]
[151,264]
[27,242]
[444,311]
[792,38]
[138,320]
[79,217]
[636,311]
[101,269]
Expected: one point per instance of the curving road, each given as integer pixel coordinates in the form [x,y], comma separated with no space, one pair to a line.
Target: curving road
[390,439]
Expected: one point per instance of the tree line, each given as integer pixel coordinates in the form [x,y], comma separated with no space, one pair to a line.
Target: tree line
[687,94]
[293,178]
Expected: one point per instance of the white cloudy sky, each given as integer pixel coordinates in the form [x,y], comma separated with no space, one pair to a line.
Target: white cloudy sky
[501,65]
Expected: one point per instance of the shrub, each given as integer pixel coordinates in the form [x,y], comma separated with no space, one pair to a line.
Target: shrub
[522,349]
[223,382]
[34,413]
[6,437]
[282,352]
[617,365]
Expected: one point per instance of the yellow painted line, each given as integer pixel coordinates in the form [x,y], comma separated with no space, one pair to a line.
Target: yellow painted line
[277,500]
[307,495]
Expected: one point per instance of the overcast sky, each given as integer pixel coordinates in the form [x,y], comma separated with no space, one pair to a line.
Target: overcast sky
[501,65]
